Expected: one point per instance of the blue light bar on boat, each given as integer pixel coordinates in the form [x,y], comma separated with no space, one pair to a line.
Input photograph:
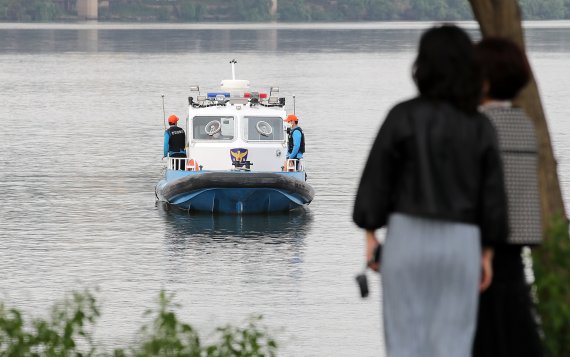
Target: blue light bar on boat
[214,94]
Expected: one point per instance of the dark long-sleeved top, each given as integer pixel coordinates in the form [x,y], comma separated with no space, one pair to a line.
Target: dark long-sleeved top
[433,160]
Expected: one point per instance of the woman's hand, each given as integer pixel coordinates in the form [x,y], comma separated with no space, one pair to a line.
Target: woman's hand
[486,269]
[371,244]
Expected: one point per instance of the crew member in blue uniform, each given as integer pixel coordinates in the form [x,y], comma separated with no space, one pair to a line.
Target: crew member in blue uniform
[296,140]
[175,140]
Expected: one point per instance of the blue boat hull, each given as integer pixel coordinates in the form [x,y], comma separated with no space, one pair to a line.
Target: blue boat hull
[235,192]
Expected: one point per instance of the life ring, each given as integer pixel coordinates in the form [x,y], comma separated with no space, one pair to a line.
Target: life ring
[264,128]
[192,165]
[213,127]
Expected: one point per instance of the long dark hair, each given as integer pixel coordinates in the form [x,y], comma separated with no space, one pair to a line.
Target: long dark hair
[446,68]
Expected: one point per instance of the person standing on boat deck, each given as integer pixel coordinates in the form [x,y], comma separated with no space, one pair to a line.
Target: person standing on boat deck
[174,140]
[506,324]
[434,177]
[296,141]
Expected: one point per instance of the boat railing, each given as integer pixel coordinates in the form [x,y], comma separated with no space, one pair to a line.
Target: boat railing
[294,165]
[185,164]
[182,164]
[177,163]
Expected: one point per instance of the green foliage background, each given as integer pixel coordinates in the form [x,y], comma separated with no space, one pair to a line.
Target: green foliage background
[287,10]
[551,262]
[68,332]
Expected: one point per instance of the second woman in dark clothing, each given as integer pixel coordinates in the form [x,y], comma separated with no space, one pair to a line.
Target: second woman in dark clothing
[434,178]
[506,325]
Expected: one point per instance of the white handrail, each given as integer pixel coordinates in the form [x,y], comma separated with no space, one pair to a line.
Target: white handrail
[294,165]
[176,163]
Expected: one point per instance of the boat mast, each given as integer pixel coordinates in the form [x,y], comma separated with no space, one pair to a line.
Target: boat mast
[294,104]
[233,62]
[163,113]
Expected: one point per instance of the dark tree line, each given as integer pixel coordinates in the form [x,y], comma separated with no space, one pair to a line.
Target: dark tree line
[29,10]
[260,10]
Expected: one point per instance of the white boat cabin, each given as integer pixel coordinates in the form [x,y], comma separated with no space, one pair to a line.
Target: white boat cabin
[235,124]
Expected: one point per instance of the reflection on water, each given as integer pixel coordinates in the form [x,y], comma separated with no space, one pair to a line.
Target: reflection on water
[183,41]
[88,41]
[255,242]
[241,40]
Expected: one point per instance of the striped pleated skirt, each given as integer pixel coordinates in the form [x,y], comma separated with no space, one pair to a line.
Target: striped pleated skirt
[430,273]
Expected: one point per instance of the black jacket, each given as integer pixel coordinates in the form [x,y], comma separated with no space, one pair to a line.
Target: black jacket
[291,144]
[432,160]
[177,139]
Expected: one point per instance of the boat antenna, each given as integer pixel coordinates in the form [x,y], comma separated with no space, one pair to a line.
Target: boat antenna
[233,62]
[294,104]
[163,113]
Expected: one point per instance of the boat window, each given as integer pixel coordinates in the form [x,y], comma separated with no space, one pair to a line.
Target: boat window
[213,128]
[264,128]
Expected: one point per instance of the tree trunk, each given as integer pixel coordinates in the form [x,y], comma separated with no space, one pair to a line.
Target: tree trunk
[503,18]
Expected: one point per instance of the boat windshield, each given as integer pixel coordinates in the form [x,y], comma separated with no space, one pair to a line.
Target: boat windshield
[264,128]
[213,128]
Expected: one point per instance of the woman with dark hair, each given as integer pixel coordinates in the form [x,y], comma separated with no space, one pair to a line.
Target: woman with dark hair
[506,325]
[435,179]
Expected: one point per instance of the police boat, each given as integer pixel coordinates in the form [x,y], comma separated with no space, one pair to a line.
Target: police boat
[236,145]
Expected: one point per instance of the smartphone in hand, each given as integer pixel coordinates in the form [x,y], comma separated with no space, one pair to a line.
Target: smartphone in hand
[361,278]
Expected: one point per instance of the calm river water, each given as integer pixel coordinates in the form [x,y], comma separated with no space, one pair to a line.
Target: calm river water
[80,153]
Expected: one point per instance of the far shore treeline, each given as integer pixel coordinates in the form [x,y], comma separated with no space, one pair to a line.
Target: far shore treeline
[268,10]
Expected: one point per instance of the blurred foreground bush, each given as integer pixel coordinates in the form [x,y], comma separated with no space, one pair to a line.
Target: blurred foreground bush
[551,263]
[69,330]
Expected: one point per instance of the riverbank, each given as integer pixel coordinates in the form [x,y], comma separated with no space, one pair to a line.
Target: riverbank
[364,25]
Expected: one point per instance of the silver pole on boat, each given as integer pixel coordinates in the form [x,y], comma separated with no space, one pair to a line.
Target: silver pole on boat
[294,104]
[187,130]
[233,62]
[163,114]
